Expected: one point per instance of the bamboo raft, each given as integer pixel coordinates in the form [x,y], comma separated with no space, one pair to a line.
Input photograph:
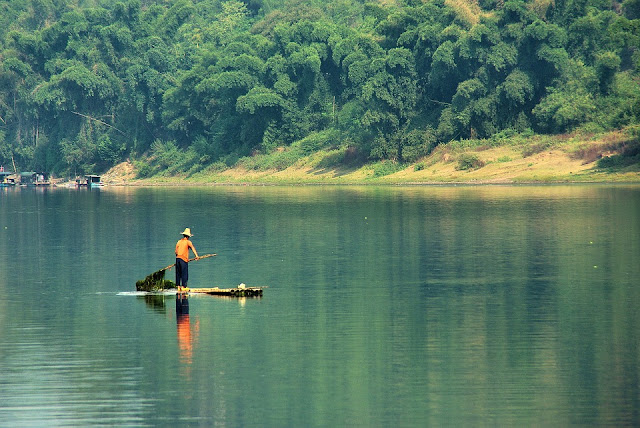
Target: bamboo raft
[240,291]
[165,285]
[156,282]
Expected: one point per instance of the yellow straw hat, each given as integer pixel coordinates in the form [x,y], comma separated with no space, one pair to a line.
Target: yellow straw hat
[187,232]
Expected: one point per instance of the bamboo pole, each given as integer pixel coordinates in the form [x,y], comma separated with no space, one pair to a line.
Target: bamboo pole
[99,121]
[156,281]
[191,260]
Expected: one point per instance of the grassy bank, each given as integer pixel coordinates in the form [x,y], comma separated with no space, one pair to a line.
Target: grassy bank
[580,157]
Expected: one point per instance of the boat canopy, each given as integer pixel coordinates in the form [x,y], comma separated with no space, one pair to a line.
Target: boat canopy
[34,177]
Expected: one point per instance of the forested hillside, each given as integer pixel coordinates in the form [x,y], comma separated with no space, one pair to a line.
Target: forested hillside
[180,85]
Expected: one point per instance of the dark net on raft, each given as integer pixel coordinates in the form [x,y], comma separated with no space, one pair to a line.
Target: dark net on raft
[155,282]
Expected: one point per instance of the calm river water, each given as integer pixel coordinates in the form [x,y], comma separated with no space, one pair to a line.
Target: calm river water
[385,306]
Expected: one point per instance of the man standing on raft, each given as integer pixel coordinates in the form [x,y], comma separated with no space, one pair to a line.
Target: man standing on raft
[182,259]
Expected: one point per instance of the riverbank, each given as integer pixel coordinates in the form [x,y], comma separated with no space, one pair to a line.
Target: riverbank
[536,159]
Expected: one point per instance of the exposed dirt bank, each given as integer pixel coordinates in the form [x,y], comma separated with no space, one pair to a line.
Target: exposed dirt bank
[558,159]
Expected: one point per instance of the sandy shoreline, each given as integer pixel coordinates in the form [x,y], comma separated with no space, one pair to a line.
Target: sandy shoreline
[534,160]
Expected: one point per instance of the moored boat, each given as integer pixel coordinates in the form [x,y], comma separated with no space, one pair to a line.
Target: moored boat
[90,181]
[6,180]
[32,178]
[94,181]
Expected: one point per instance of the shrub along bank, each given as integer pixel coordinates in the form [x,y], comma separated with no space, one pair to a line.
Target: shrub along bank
[505,158]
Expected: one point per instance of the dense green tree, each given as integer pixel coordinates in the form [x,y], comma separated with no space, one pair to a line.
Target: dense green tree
[570,102]
[86,84]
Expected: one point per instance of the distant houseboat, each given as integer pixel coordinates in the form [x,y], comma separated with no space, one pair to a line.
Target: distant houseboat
[90,181]
[32,178]
[5,180]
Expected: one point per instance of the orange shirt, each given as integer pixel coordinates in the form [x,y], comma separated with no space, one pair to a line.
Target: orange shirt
[182,249]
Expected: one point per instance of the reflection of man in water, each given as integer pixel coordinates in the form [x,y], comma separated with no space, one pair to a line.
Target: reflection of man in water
[185,333]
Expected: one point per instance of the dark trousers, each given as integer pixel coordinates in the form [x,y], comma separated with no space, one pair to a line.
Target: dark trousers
[182,273]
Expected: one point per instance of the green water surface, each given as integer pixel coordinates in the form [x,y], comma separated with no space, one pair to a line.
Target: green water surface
[385,306]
